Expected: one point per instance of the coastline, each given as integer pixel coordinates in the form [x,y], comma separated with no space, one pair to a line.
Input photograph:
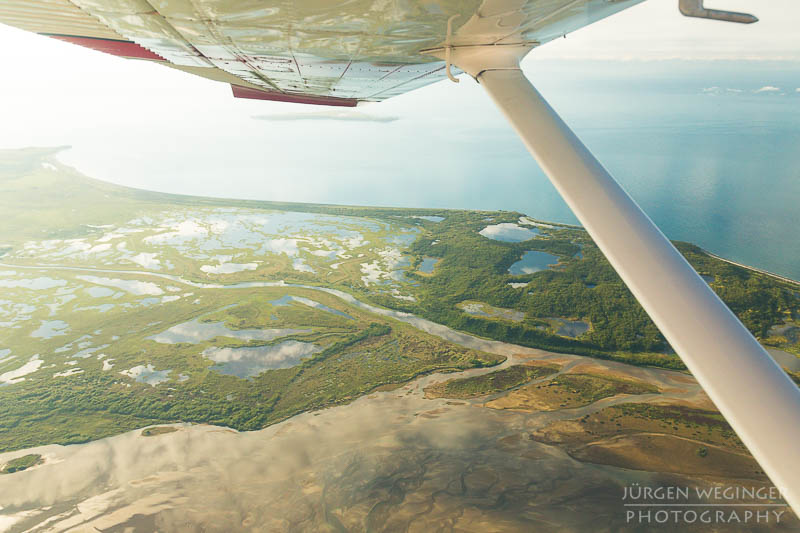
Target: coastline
[753,269]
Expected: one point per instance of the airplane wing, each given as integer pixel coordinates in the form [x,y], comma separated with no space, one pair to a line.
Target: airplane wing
[330,52]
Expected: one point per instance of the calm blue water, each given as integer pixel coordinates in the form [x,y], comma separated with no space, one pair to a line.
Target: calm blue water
[427,265]
[508,232]
[720,169]
[533,262]
[284,300]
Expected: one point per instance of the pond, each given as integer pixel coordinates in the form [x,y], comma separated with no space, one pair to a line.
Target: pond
[509,232]
[570,328]
[17,375]
[427,265]
[147,374]
[67,373]
[404,240]
[99,292]
[51,328]
[196,331]
[131,286]
[249,361]
[284,300]
[88,352]
[533,262]
[228,268]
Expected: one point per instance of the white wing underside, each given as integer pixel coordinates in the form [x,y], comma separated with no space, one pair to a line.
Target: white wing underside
[316,51]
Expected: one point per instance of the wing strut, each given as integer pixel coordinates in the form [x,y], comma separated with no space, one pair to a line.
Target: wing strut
[756,397]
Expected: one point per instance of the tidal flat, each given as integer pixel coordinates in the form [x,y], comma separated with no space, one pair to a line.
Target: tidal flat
[387,461]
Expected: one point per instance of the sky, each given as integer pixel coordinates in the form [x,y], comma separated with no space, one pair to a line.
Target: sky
[140,124]
[654,30]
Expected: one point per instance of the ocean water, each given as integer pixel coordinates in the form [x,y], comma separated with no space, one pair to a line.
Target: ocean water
[710,150]
[714,160]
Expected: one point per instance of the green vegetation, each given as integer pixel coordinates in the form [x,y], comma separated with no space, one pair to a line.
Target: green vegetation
[655,438]
[485,384]
[583,286]
[358,355]
[471,267]
[758,300]
[709,426]
[697,425]
[567,391]
[588,388]
[21,463]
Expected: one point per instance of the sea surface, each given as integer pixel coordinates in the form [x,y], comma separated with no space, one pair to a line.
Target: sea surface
[710,150]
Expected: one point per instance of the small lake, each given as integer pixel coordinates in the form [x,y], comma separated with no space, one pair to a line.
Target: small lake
[228,268]
[533,262]
[249,361]
[284,300]
[132,286]
[147,374]
[50,329]
[570,328]
[99,292]
[403,240]
[509,232]
[428,263]
[17,375]
[197,331]
[88,352]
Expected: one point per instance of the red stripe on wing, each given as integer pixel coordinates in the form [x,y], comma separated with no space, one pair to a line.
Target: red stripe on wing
[127,49]
[256,94]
